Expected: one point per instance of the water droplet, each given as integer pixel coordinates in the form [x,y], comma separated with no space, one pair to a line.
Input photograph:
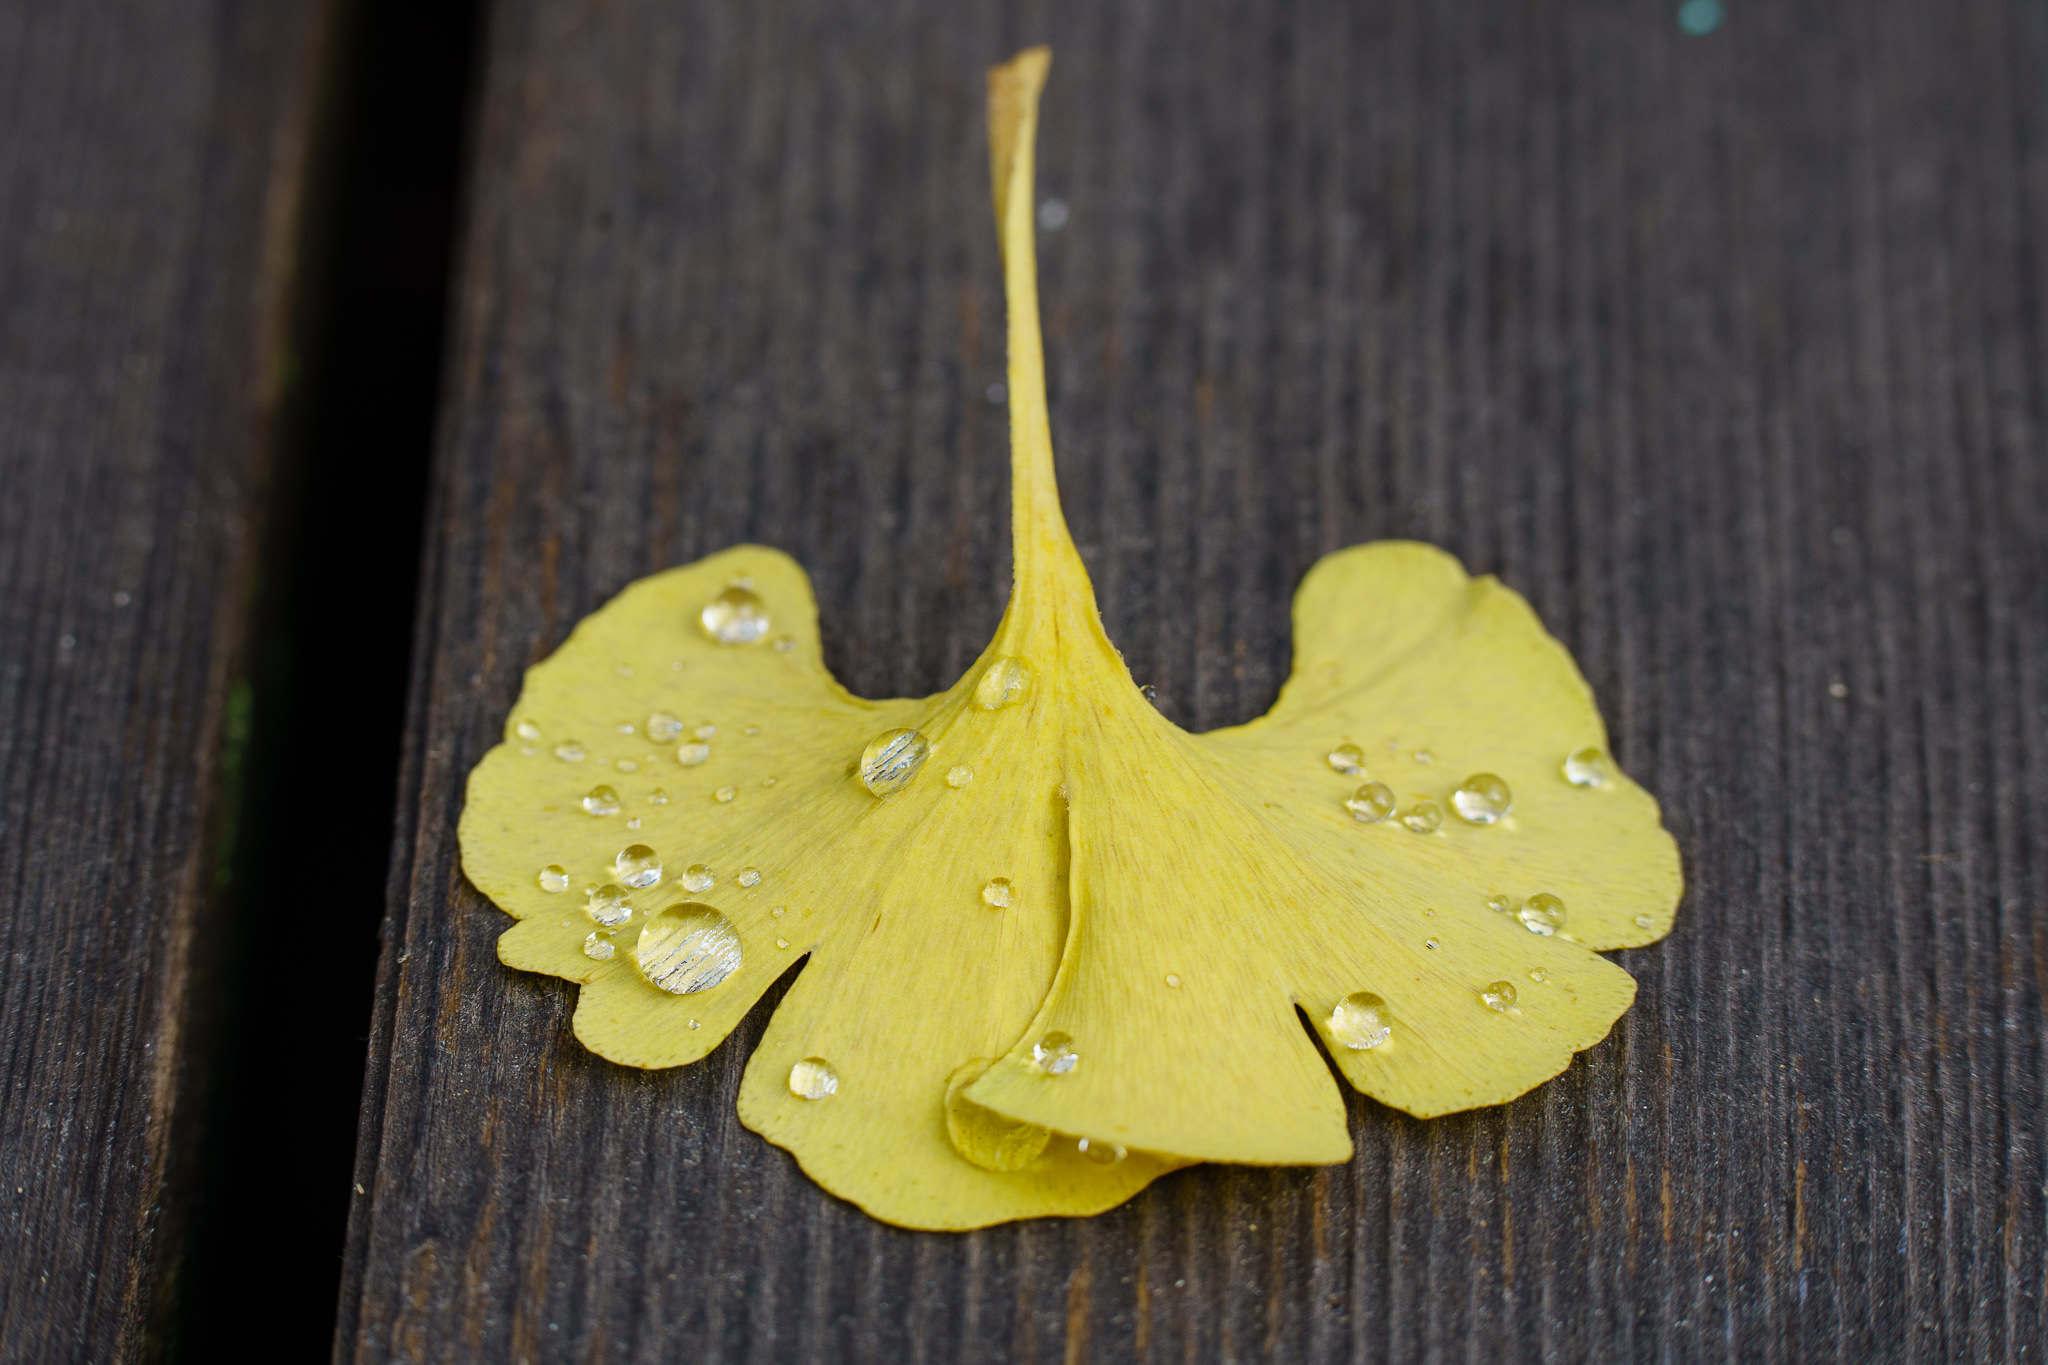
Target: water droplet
[664,728]
[608,905]
[750,876]
[1371,803]
[779,911]
[597,945]
[1644,921]
[959,775]
[770,781]
[1542,914]
[990,1140]
[601,801]
[1003,683]
[1173,980]
[892,759]
[554,877]
[1483,799]
[1054,1054]
[657,797]
[692,754]
[1149,693]
[695,1024]
[1431,944]
[1539,975]
[1424,756]
[633,823]
[998,893]
[784,643]
[627,765]
[813,1079]
[1348,759]
[697,879]
[782,943]
[705,732]
[527,731]
[569,751]
[1423,817]
[1499,903]
[687,948]
[1586,767]
[1499,996]
[637,865]
[1053,215]
[1360,1021]
[1101,1151]
[1838,690]
[626,728]
[725,795]
[735,617]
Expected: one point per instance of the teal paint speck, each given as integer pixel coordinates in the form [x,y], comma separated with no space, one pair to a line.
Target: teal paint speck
[1698,18]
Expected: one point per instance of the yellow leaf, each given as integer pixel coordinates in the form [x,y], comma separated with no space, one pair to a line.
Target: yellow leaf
[1056,945]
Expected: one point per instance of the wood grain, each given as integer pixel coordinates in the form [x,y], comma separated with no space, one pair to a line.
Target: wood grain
[151,164]
[1727,351]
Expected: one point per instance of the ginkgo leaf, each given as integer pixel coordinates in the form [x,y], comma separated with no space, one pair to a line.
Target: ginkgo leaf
[1053,945]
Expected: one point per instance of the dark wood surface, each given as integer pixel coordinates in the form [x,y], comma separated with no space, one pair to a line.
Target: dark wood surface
[152,164]
[1726,350]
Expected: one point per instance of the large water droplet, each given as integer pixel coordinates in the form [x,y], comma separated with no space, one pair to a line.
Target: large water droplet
[637,865]
[750,876]
[1542,914]
[999,893]
[601,801]
[986,1138]
[813,1079]
[608,905]
[1054,1054]
[569,751]
[664,728]
[597,944]
[1101,1151]
[1586,767]
[735,617]
[527,731]
[1371,803]
[1360,1021]
[1499,996]
[687,948]
[1483,799]
[1003,683]
[892,759]
[554,877]
[959,775]
[1348,759]
[1423,817]
[697,879]
[693,753]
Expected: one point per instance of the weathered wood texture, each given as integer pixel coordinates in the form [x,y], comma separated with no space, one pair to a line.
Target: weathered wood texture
[151,159]
[1727,351]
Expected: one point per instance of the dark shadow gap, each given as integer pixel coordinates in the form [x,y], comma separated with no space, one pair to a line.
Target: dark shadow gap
[330,666]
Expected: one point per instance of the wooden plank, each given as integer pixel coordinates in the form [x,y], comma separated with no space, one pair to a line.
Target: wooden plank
[151,163]
[1726,350]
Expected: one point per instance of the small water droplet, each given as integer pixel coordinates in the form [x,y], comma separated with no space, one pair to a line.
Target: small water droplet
[1173,980]
[692,754]
[750,876]
[1431,944]
[959,775]
[1371,803]
[1348,759]
[637,865]
[695,1024]
[554,877]
[1423,817]
[569,751]
[664,728]
[725,795]
[601,801]
[1003,683]
[1360,1021]
[1644,921]
[1101,1151]
[1483,799]
[608,905]
[626,728]
[892,759]
[1838,690]
[770,781]
[627,765]
[1054,1054]
[1149,693]
[779,911]
[657,797]
[1542,914]
[1539,975]
[1499,996]
[1424,756]
[527,731]
[1500,904]
[687,948]
[751,730]
[633,823]
[598,945]
[782,943]
[735,617]
[1586,767]
[784,643]
[697,879]
[998,893]
[813,1079]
